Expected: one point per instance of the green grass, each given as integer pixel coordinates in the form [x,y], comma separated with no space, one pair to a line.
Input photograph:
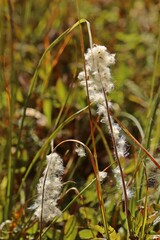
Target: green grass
[41,53]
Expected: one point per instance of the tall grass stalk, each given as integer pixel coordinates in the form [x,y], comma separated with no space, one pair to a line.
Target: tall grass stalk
[12,92]
[96,167]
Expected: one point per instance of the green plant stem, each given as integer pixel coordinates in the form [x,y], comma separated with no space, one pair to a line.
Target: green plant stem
[142,231]
[156,65]
[11,162]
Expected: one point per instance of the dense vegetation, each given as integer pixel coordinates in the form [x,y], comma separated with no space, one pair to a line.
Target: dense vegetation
[42,46]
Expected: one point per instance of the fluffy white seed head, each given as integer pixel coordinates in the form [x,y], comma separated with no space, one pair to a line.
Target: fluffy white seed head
[99,83]
[98,60]
[99,55]
[48,189]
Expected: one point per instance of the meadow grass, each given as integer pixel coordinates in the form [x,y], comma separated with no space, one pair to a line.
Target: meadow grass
[45,109]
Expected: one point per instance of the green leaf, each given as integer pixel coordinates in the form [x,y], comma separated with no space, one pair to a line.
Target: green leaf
[61,91]
[70,229]
[87,213]
[19,95]
[87,234]
[47,109]
[33,229]
[98,228]
[112,233]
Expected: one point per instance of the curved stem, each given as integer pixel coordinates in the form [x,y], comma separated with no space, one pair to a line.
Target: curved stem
[87,149]
[34,79]
[46,144]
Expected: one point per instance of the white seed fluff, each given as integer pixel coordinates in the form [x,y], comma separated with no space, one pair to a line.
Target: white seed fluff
[80,151]
[102,175]
[118,178]
[49,189]
[98,61]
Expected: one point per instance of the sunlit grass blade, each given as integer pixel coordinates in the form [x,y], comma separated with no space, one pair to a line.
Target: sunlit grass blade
[34,79]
